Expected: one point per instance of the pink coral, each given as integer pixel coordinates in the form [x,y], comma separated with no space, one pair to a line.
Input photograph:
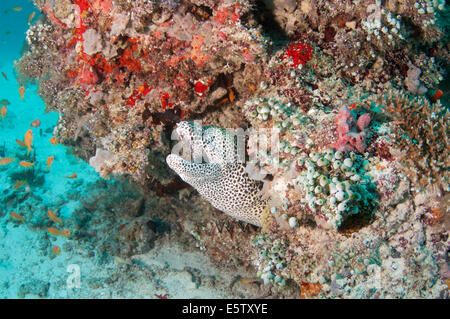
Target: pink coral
[350,132]
[344,121]
[102,5]
[87,76]
[363,121]
[231,12]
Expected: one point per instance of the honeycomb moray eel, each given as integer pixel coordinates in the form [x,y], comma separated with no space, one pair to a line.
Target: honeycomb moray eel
[222,181]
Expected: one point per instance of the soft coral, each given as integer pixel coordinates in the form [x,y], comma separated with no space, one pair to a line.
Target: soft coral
[350,131]
[87,76]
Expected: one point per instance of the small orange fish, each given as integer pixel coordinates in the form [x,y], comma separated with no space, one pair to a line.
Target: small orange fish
[6,160]
[3,111]
[50,161]
[225,99]
[19,184]
[16,216]
[16,8]
[230,95]
[36,123]
[22,92]
[4,75]
[53,140]
[56,250]
[74,175]
[28,140]
[31,16]
[22,144]
[53,217]
[26,164]
[65,232]
[53,231]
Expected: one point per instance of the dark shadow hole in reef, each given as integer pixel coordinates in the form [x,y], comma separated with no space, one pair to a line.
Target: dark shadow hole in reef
[270,27]
[363,219]
[200,12]
[223,81]
[158,226]
[307,221]
[355,223]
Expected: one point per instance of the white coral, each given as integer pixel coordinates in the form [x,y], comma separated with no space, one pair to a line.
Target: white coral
[92,41]
[100,157]
[120,23]
[412,81]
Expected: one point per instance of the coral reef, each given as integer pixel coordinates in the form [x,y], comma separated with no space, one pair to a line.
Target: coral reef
[351,196]
[421,129]
[335,187]
[124,73]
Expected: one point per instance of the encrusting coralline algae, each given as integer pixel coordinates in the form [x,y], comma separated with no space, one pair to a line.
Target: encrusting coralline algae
[355,204]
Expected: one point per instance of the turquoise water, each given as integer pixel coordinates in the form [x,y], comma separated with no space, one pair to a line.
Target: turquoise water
[26,256]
